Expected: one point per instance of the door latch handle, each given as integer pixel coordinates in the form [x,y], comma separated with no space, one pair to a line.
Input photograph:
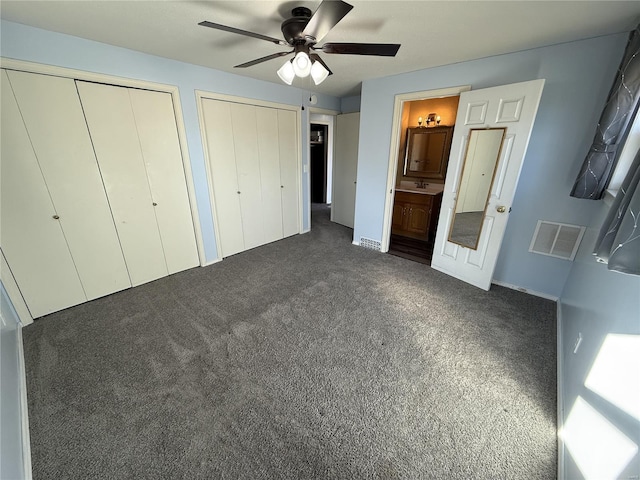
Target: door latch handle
[501,209]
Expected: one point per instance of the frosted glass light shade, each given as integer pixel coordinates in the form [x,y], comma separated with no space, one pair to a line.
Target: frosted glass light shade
[286,73]
[302,64]
[319,73]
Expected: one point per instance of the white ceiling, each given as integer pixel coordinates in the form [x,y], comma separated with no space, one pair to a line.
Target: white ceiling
[432,33]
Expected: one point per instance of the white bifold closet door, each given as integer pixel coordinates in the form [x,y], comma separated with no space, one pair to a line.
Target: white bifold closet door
[289,174]
[135,139]
[253,160]
[224,176]
[57,233]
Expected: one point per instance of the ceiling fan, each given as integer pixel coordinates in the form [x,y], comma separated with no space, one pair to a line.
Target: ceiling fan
[302,32]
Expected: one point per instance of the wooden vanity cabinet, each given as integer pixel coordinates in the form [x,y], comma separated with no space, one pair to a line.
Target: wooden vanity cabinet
[415,215]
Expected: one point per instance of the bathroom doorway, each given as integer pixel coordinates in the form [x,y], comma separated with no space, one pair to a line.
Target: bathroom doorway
[425,135]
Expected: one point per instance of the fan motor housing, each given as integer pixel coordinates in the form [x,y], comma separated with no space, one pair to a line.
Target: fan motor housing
[293,27]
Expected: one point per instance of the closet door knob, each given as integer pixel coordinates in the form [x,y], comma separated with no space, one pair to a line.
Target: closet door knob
[56,217]
[155,204]
[238,192]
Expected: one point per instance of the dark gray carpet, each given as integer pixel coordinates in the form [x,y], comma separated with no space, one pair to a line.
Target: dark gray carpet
[306,358]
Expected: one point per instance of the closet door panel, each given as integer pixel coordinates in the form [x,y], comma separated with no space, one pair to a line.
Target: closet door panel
[113,132]
[51,111]
[289,175]
[32,240]
[158,134]
[245,136]
[269,152]
[224,178]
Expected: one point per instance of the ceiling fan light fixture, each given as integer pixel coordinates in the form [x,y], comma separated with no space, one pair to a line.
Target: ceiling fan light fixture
[287,73]
[318,73]
[302,64]
[302,31]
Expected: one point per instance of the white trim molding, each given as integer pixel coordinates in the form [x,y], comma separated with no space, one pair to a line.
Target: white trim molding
[13,292]
[24,409]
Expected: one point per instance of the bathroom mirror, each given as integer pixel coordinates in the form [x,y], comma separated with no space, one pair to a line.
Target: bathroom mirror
[427,152]
[478,172]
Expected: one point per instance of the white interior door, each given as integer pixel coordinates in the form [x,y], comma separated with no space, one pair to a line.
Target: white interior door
[158,134]
[269,155]
[245,140]
[52,113]
[117,145]
[32,238]
[224,177]
[289,173]
[514,107]
[345,168]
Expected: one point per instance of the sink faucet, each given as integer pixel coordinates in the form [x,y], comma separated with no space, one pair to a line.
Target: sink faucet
[421,184]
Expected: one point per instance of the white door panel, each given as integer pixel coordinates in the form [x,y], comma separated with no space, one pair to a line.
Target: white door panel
[32,239]
[345,168]
[269,155]
[514,107]
[114,134]
[289,174]
[224,177]
[52,113]
[245,137]
[158,133]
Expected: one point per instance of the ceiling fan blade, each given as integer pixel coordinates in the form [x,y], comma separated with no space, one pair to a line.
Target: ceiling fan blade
[263,59]
[316,57]
[379,49]
[328,14]
[217,26]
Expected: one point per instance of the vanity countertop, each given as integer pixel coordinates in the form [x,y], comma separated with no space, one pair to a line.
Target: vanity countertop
[429,189]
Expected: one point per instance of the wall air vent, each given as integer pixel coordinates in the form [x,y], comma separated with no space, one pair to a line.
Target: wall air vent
[370,244]
[558,240]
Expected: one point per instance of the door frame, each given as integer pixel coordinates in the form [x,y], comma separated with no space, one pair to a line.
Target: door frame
[396,134]
[56,71]
[202,94]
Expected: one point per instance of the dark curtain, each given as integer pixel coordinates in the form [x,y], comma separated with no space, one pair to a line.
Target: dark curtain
[618,244]
[614,123]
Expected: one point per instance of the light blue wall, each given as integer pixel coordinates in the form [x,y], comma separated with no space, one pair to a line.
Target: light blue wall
[350,104]
[11,465]
[597,302]
[578,78]
[35,45]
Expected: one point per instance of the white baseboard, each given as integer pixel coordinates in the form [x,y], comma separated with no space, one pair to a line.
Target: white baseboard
[24,410]
[526,290]
[560,392]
